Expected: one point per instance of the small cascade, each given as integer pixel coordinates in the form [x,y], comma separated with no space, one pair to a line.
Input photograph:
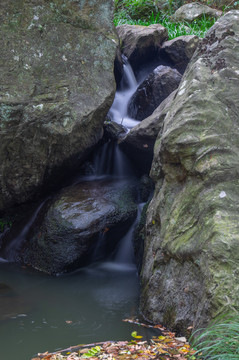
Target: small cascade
[119,109]
[111,161]
[11,251]
[125,252]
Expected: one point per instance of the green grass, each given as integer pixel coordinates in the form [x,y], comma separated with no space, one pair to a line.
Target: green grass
[144,12]
[219,341]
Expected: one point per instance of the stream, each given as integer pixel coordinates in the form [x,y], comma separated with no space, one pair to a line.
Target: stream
[41,313]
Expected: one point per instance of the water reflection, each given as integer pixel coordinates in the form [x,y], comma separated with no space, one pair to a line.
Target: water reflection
[50,313]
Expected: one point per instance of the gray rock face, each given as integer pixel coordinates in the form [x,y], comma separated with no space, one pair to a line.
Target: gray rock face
[180,50]
[72,225]
[192,11]
[56,88]
[138,144]
[190,266]
[152,91]
[141,43]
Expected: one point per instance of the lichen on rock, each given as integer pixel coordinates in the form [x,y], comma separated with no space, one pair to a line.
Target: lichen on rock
[191,259]
[57,85]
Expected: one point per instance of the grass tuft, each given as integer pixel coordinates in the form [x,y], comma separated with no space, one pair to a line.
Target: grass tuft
[219,341]
[145,12]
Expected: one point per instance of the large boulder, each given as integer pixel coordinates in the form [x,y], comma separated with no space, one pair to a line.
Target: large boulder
[138,143]
[179,51]
[57,85]
[141,44]
[193,11]
[69,228]
[152,91]
[190,266]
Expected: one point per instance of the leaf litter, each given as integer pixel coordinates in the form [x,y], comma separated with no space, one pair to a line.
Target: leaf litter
[164,347]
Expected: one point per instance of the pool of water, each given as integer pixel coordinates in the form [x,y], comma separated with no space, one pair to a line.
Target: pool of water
[40,313]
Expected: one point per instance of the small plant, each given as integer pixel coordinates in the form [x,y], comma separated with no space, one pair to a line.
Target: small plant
[4,223]
[219,341]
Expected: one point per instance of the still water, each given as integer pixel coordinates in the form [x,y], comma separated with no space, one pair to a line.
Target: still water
[40,313]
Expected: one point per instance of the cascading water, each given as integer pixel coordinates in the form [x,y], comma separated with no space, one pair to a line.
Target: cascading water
[86,306]
[119,109]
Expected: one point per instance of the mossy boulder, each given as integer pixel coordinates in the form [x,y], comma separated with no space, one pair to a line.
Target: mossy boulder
[57,85]
[190,266]
[80,221]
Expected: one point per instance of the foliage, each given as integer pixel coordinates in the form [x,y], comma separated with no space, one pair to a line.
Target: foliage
[137,12]
[163,347]
[220,340]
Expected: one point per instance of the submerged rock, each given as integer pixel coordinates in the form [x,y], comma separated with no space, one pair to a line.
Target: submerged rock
[57,85]
[152,91]
[69,229]
[190,266]
[192,11]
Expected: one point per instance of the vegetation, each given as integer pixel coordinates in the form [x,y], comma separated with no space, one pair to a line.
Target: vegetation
[163,347]
[220,340]
[3,224]
[147,12]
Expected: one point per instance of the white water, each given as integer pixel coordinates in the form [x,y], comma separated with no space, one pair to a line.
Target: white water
[118,112]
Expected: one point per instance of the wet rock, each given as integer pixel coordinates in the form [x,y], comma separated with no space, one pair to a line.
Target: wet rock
[113,131]
[118,67]
[190,266]
[138,144]
[140,44]
[146,187]
[57,85]
[68,230]
[179,51]
[152,91]
[192,11]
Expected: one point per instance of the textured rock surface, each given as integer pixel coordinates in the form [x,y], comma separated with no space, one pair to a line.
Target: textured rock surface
[56,87]
[138,144]
[141,43]
[192,11]
[179,51]
[190,267]
[72,225]
[152,91]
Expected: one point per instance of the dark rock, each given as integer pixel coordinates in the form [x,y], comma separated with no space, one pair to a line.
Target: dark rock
[67,233]
[192,11]
[190,266]
[118,67]
[146,187]
[113,131]
[152,91]
[139,239]
[57,85]
[138,144]
[179,51]
[140,44]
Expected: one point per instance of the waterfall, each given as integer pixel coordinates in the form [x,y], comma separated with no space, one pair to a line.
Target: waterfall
[10,250]
[119,109]
[111,161]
